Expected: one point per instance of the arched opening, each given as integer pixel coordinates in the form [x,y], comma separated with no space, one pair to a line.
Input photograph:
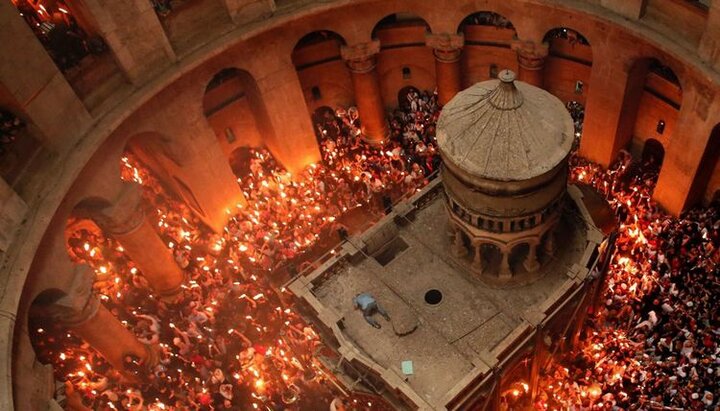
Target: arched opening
[404,59]
[570,53]
[233,107]
[653,154]
[405,95]
[653,98]
[326,124]
[68,31]
[240,161]
[488,36]
[322,73]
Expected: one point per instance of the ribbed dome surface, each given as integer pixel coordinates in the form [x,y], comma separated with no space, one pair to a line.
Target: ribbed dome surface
[505,130]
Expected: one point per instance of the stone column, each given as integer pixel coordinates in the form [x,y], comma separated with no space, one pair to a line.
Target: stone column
[610,110]
[459,245]
[537,362]
[286,128]
[709,49]
[531,262]
[505,273]
[477,264]
[81,312]
[447,49]
[531,61]
[361,60]
[688,162]
[125,221]
[549,245]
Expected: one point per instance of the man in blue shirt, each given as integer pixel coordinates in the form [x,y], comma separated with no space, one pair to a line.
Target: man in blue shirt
[369,307]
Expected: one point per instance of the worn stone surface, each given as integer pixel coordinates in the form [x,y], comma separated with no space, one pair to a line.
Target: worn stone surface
[472,317]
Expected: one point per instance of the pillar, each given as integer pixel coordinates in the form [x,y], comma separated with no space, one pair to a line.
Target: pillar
[549,245]
[531,261]
[282,113]
[458,244]
[30,78]
[683,176]
[610,110]
[447,49]
[505,273]
[709,49]
[81,312]
[125,221]
[531,61]
[477,264]
[361,59]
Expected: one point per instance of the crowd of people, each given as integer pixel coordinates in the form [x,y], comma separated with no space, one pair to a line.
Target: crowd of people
[653,341]
[234,340]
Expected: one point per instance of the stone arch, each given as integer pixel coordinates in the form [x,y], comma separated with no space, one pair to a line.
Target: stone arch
[240,160]
[322,73]
[234,109]
[402,100]
[653,153]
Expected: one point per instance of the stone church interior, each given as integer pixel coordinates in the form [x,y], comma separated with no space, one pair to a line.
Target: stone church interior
[360,205]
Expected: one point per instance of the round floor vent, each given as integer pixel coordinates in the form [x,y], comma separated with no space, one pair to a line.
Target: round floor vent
[433,297]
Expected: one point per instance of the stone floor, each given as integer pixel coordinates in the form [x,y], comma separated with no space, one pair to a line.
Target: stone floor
[472,316]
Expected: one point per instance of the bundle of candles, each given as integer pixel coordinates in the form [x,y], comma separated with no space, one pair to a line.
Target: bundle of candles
[234,340]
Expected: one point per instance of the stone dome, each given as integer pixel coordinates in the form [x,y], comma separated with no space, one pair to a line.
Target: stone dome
[504,130]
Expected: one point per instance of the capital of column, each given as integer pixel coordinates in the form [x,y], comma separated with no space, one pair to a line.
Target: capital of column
[125,214]
[77,305]
[360,58]
[530,55]
[447,47]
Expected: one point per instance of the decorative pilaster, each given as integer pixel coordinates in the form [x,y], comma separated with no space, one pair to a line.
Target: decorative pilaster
[86,317]
[477,264]
[361,60]
[505,273]
[447,49]
[531,61]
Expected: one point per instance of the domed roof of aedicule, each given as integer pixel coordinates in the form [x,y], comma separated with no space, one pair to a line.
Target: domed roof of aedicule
[504,130]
